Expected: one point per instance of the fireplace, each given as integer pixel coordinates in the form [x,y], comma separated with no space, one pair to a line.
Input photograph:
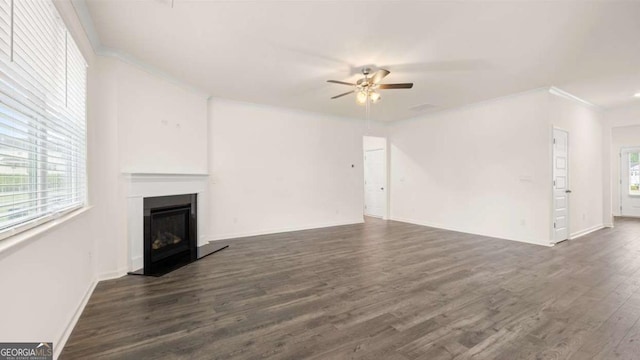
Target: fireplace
[170,234]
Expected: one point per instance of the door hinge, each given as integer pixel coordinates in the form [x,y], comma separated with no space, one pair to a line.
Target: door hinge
[554,140]
[554,225]
[620,181]
[554,183]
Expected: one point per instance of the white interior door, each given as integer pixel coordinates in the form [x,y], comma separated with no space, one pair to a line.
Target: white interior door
[630,182]
[560,185]
[374,183]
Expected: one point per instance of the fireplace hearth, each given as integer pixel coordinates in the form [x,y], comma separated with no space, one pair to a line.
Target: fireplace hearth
[170,235]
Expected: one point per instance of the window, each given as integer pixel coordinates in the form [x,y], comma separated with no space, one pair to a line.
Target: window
[634,173]
[42,116]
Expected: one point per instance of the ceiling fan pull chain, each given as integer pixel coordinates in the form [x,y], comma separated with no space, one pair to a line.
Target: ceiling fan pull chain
[368,111]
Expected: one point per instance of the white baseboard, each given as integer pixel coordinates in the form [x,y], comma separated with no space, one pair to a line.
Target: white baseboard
[584,232]
[608,225]
[59,345]
[438,226]
[230,236]
[113,274]
[137,263]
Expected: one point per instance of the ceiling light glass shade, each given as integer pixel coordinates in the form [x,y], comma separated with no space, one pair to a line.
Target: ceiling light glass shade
[375,97]
[637,95]
[361,98]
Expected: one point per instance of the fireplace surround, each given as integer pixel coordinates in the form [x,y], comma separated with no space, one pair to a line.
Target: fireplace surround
[139,186]
[170,232]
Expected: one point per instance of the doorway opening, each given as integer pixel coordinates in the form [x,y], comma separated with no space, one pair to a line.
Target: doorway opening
[375,177]
[630,181]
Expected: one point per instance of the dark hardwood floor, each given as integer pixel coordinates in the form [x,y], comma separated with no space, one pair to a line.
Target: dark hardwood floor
[380,290]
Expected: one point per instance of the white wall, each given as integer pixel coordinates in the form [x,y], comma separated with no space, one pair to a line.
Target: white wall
[622,122]
[44,281]
[275,169]
[623,116]
[162,127]
[482,169]
[622,136]
[107,190]
[137,115]
[584,124]
[486,168]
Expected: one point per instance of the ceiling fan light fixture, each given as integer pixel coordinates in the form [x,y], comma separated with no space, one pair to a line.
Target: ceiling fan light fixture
[637,95]
[375,97]
[361,97]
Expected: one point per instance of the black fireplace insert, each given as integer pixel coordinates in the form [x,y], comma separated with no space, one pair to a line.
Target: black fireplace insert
[170,233]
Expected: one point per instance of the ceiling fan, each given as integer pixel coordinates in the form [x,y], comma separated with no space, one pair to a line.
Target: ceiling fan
[366,88]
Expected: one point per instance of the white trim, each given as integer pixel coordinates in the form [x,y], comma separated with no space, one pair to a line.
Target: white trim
[563,94]
[59,345]
[137,262]
[110,275]
[441,227]
[233,236]
[38,230]
[146,178]
[385,211]
[82,12]
[584,232]
[608,225]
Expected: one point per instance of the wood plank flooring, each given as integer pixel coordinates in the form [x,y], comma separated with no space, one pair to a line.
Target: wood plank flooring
[379,290]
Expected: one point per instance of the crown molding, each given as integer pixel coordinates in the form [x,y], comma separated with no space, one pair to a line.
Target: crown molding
[564,94]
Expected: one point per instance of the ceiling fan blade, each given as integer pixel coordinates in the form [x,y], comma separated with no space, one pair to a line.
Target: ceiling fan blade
[341,95]
[340,82]
[396,86]
[378,76]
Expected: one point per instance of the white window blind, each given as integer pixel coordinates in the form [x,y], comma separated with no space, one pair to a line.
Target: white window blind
[5,29]
[42,116]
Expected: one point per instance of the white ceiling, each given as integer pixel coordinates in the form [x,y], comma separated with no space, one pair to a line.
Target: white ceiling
[282,52]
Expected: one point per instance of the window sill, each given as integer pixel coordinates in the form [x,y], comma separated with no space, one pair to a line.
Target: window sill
[25,236]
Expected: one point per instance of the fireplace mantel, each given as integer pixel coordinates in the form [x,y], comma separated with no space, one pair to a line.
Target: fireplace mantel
[154,184]
[141,185]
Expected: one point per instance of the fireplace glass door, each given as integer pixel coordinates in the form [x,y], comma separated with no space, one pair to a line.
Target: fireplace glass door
[169,232]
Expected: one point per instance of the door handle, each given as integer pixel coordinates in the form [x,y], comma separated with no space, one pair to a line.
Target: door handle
[568,191]
[381,188]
